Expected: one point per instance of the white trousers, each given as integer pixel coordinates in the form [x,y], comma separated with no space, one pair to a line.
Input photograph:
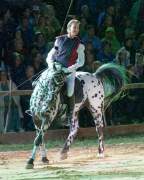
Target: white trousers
[70,81]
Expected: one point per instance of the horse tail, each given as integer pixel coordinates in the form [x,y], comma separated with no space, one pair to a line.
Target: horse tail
[113,78]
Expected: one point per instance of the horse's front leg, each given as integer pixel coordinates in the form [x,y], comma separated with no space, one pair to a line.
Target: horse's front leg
[73,131]
[38,142]
[43,152]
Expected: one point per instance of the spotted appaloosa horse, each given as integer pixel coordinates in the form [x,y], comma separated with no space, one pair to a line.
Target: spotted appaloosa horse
[45,103]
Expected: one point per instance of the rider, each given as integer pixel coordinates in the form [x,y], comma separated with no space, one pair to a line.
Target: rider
[68,53]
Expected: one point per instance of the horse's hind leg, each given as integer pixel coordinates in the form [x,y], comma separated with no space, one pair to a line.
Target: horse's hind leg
[98,115]
[73,131]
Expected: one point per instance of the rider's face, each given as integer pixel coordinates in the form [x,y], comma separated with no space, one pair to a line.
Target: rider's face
[74,29]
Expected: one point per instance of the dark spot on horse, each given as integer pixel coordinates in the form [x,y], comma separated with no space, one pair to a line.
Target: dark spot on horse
[99,82]
[99,92]
[75,120]
[102,105]
[101,95]
[95,95]
[94,86]
[99,107]
[98,115]
[92,81]
[73,126]
[83,82]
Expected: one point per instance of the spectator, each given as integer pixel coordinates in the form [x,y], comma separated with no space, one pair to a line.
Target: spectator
[134,12]
[52,20]
[83,27]
[111,37]
[108,22]
[41,27]
[110,11]
[129,46]
[40,44]
[89,63]
[2,38]
[140,20]
[85,13]
[128,27]
[139,65]
[10,110]
[9,26]
[27,13]
[134,102]
[35,14]
[105,55]
[18,69]
[123,57]
[27,32]
[38,62]
[92,67]
[18,37]
[140,41]
[91,37]
[89,48]
[27,85]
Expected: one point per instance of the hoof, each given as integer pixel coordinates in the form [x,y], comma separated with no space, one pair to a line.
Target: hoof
[30,164]
[100,155]
[45,160]
[63,156]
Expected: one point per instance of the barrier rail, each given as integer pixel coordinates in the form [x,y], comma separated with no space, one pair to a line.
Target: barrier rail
[28,92]
[28,137]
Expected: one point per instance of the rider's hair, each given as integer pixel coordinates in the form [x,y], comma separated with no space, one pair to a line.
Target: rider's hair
[73,21]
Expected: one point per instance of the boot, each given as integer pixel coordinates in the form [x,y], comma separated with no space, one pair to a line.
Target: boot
[71,104]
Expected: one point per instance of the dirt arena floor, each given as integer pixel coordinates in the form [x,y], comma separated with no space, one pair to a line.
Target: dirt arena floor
[122,161]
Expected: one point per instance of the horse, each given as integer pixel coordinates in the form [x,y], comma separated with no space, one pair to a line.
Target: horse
[91,90]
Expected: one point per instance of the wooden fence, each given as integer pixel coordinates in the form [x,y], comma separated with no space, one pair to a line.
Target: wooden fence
[28,92]
[28,137]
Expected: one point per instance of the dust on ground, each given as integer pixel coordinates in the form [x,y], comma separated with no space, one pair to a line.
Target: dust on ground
[121,161]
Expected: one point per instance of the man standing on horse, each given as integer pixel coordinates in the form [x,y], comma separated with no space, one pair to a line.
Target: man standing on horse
[68,55]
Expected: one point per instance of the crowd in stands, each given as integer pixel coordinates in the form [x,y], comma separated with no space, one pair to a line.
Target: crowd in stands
[111,30]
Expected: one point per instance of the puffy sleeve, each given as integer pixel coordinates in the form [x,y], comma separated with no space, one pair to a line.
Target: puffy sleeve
[80,60]
[52,52]
[81,55]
